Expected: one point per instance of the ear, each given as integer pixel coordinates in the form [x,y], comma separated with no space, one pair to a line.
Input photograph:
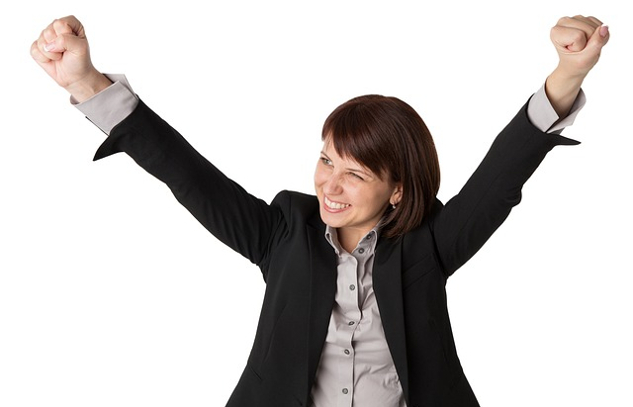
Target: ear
[396,196]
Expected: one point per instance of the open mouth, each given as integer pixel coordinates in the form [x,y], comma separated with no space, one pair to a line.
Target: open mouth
[336,206]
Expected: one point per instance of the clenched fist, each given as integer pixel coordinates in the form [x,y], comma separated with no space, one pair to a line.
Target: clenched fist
[62,51]
[578,41]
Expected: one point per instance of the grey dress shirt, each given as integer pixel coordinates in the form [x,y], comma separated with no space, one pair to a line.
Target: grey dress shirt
[356,368]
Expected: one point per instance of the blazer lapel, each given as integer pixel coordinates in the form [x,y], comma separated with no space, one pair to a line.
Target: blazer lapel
[322,291]
[387,283]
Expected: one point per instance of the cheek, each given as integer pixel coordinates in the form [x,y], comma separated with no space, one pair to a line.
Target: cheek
[319,177]
[376,199]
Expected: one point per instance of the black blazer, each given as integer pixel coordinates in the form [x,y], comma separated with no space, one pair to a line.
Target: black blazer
[286,240]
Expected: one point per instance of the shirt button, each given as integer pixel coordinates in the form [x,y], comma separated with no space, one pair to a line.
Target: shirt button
[352,287]
[361,250]
[346,351]
[345,391]
[350,323]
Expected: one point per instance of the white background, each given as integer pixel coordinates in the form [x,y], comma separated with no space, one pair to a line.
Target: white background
[111,294]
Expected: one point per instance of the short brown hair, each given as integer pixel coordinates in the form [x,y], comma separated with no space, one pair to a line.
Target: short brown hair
[389,137]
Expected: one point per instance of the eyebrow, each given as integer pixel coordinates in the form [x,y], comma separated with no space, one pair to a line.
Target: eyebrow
[367,174]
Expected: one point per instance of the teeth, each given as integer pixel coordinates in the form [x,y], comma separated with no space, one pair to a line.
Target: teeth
[335,205]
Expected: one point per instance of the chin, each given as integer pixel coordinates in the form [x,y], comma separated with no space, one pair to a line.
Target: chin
[331,220]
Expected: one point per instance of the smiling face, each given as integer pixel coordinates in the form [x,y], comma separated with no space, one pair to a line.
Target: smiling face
[377,149]
[351,197]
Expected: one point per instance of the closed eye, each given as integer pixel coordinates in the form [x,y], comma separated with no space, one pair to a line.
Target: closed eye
[353,174]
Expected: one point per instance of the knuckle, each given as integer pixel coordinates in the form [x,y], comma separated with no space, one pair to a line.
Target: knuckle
[577,35]
[555,31]
[34,49]
[595,20]
[46,36]
[563,20]
[36,54]
[61,26]
[58,23]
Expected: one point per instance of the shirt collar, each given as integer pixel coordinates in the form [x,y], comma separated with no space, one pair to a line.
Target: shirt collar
[331,236]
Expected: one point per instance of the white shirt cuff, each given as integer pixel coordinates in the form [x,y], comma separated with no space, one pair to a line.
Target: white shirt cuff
[542,114]
[109,107]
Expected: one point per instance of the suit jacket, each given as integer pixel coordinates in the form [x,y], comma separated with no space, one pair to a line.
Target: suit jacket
[286,240]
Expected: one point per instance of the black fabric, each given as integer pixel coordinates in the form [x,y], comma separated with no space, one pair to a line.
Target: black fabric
[285,239]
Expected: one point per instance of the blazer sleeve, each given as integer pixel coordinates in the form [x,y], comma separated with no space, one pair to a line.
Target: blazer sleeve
[466,222]
[238,219]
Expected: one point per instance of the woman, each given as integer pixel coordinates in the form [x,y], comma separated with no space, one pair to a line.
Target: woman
[355,309]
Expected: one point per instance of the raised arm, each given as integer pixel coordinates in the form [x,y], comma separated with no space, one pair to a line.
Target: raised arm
[243,222]
[467,221]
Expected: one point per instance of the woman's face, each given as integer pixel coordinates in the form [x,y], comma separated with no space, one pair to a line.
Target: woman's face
[351,196]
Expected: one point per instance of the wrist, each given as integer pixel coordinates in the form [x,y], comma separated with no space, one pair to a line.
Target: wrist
[570,72]
[88,86]
[562,88]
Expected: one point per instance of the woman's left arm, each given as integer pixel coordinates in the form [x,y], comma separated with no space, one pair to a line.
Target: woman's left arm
[464,224]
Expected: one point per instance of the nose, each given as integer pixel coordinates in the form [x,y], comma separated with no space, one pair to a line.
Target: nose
[333,185]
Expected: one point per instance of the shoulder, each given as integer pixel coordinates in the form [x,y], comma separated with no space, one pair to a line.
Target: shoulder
[419,242]
[297,207]
[287,200]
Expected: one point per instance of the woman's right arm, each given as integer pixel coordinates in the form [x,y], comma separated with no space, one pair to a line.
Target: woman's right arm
[243,222]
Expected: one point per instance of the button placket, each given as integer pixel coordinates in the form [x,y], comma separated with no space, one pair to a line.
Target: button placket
[349,319]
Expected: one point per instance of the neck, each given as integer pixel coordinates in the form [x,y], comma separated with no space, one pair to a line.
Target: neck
[349,238]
